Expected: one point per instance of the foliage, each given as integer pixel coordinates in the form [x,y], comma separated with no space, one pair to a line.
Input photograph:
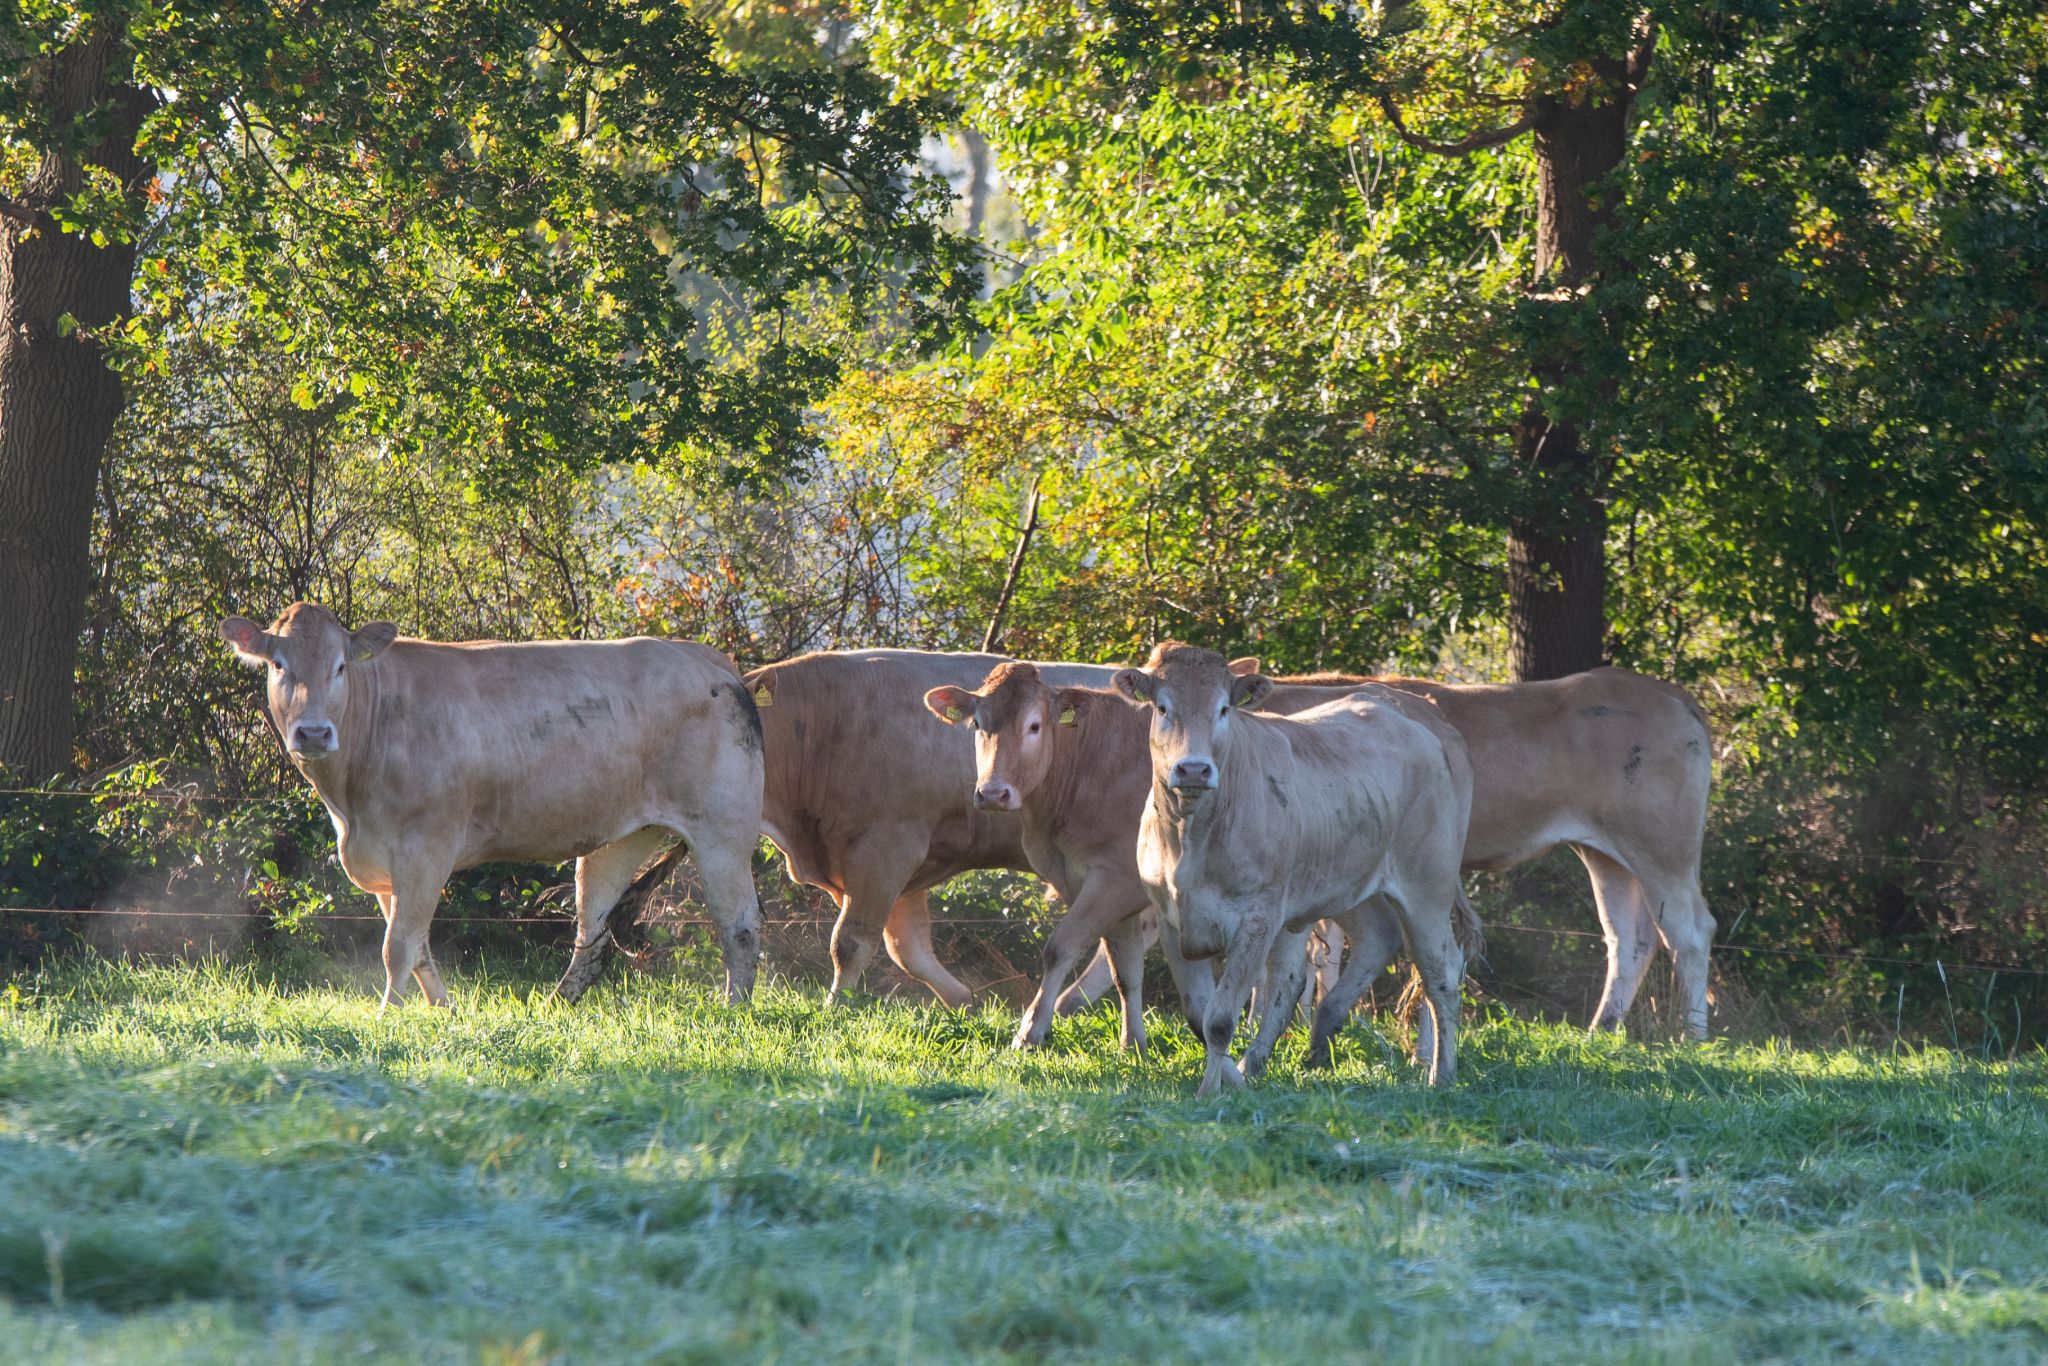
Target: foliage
[214,1165]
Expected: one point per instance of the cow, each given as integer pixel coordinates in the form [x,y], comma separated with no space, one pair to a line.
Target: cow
[1611,763]
[1257,826]
[869,800]
[433,757]
[1074,762]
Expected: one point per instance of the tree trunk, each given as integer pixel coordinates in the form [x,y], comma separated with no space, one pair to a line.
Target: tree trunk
[58,400]
[1557,550]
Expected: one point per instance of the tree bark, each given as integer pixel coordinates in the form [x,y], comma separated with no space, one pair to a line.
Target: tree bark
[58,398]
[1557,550]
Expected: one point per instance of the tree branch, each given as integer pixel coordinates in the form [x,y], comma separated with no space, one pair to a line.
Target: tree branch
[21,213]
[995,622]
[1463,146]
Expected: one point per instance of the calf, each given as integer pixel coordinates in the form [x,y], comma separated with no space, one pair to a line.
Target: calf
[433,757]
[1257,826]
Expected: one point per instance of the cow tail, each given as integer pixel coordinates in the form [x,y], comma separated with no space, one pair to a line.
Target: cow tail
[623,924]
[1466,929]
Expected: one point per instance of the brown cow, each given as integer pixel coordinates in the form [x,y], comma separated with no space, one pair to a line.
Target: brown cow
[1075,761]
[433,757]
[870,801]
[1257,826]
[1611,763]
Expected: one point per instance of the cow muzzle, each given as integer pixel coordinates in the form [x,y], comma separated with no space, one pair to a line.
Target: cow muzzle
[313,740]
[996,796]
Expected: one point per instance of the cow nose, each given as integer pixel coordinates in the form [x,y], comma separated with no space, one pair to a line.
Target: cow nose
[1194,773]
[995,796]
[316,738]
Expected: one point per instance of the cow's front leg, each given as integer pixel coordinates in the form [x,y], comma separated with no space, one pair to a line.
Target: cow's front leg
[415,893]
[1244,961]
[1103,904]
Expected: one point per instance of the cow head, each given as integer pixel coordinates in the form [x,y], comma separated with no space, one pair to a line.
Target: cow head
[309,654]
[1191,693]
[1012,717]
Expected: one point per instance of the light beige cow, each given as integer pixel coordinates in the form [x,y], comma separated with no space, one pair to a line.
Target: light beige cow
[871,801]
[434,757]
[1614,765]
[1257,826]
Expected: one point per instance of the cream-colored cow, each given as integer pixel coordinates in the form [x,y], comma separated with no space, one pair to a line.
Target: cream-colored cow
[434,757]
[1258,826]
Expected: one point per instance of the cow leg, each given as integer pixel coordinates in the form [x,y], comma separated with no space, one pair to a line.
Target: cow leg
[1326,956]
[1286,972]
[1126,948]
[1375,939]
[877,870]
[1426,925]
[1687,927]
[601,875]
[1103,904]
[726,866]
[1196,981]
[908,935]
[1630,932]
[1244,961]
[413,899]
[429,977]
[1099,975]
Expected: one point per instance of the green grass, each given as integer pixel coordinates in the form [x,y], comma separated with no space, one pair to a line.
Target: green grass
[200,1164]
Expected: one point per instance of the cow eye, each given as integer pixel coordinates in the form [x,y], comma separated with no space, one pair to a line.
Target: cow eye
[1034,728]
[1223,711]
[339,667]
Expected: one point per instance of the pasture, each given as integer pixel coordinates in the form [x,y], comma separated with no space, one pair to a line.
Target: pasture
[213,1164]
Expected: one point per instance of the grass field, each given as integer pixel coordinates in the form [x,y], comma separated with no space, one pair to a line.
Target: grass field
[202,1165]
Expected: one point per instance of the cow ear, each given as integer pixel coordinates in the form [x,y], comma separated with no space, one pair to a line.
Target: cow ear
[1244,668]
[1249,690]
[1066,707]
[950,704]
[250,642]
[1134,685]
[369,642]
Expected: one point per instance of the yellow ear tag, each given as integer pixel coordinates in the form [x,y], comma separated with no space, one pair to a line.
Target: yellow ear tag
[952,713]
[763,697]
[362,652]
[1067,717]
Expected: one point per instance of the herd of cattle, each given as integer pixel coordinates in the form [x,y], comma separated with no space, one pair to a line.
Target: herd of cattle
[1227,812]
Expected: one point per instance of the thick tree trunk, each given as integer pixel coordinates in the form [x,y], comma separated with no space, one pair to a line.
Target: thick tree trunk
[1557,552]
[58,402]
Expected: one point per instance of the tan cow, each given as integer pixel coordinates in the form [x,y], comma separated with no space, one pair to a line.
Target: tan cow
[1257,826]
[1075,762]
[433,757]
[1614,765]
[869,800]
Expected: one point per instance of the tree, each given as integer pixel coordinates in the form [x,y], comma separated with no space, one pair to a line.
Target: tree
[558,234]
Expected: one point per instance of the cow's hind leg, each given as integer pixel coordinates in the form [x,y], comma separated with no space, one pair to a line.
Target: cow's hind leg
[1630,932]
[908,936]
[1688,931]
[725,863]
[1125,946]
[1426,925]
[876,872]
[1375,938]
[601,875]
[409,910]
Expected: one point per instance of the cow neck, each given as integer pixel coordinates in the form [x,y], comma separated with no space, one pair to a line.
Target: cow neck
[1085,759]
